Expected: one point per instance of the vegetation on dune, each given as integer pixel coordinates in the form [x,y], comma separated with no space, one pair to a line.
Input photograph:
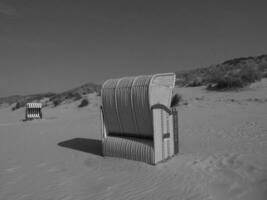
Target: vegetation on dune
[17,106]
[232,74]
[56,102]
[84,102]
[54,99]
[236,78]
[21,101]
[75,94]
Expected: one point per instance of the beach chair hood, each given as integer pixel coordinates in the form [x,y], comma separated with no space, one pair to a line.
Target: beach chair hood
[127,103]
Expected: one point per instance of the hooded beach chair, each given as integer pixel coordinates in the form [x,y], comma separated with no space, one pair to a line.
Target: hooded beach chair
[33,111]
[137,120]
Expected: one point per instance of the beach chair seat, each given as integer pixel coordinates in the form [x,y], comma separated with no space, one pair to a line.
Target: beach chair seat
[130,148]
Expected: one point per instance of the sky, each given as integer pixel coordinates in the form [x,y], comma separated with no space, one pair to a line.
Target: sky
[55,45]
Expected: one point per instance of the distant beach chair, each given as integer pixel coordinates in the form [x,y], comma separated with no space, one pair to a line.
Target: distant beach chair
[33,111]
[137,120]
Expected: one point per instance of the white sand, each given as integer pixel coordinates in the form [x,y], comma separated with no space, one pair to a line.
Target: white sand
[223,147]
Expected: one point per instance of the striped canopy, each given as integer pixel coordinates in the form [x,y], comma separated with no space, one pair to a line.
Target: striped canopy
[33,105]
[127,103]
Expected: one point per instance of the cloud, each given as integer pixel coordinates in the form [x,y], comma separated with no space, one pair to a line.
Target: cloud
[8,10]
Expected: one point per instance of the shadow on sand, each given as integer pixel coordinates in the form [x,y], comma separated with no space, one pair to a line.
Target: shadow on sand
[83,144]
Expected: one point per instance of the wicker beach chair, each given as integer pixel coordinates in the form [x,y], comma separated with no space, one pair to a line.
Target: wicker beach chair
[33,111]
[137,120]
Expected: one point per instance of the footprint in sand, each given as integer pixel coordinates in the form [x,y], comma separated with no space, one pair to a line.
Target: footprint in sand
[206,164]
[229,161]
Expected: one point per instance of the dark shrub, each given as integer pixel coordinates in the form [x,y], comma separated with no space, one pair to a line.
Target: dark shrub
[230,82]
[235,78]
[56,102]
[227,82]
[176,99]
[84,102]
[17,106]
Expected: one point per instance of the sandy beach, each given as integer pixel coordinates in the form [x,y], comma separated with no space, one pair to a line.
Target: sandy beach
[223,145]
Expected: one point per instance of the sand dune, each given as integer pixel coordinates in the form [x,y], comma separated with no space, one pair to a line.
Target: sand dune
[223,145]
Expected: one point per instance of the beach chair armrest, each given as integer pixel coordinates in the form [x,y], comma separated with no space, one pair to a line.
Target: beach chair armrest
[163,107]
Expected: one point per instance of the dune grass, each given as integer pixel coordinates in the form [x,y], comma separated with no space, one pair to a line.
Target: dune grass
[232,74]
